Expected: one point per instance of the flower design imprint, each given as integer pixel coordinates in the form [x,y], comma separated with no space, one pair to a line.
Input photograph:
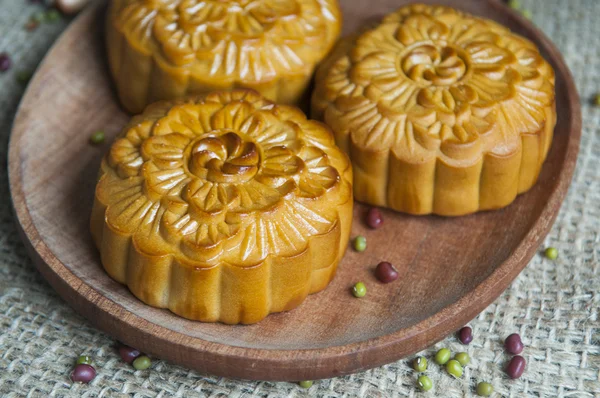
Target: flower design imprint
[432,77]
[227,171]
[247,40]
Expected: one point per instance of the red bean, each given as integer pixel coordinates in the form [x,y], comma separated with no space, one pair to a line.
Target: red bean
[515,367]
[386,272]
[83,373]
[5,62]
[465,335]
[31,25]
[128,354]
[374,218]
[513,344]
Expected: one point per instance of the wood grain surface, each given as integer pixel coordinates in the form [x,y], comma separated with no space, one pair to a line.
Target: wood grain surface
[450,268]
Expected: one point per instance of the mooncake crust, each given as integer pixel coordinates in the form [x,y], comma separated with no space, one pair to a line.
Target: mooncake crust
[440,111]
[224,207]
[167,49]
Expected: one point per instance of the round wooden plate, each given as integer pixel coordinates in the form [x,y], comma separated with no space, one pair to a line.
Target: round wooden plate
[451,268]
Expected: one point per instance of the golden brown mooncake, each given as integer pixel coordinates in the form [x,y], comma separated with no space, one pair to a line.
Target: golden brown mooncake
[440,111]
[166,49]
[224,207]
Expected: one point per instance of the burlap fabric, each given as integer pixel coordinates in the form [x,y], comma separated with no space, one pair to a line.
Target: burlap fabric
[553,305]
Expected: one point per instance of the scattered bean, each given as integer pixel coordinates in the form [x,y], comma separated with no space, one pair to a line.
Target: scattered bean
[84,359]
[31,25]
[52,15]
[463,358]
[551,253]
[424,383]
[374,218]
[484,389]
[420,364]
[359,290]
[360,243]
[97,138]
[83,373]
[465,335]
[23,76]
[454,368]
[514,4]
[142,362]
[5,62]
[128,354]
[38,17]
[386,272]
[515,367]
[442,356]
[306,383]
[513,344]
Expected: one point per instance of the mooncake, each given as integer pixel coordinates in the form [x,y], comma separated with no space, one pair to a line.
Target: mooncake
[166,49]
[440,111]
[224,207]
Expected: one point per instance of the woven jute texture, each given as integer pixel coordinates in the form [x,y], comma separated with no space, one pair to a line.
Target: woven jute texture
[554,305]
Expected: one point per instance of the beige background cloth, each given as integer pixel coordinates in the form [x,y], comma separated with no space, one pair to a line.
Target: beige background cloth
[553,305]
